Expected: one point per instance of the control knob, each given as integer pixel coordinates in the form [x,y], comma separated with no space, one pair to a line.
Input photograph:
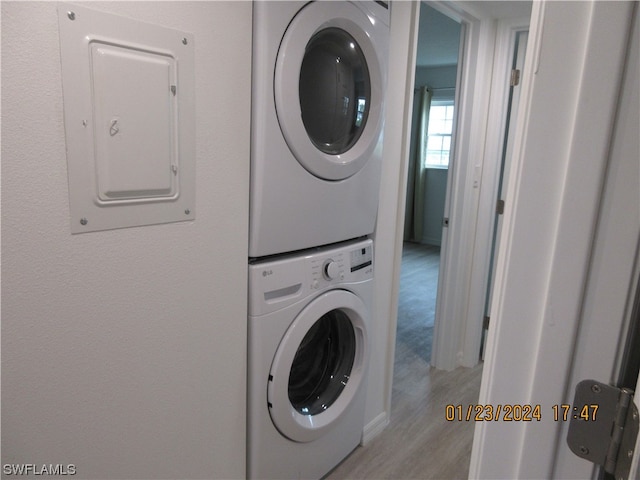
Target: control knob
[331,269]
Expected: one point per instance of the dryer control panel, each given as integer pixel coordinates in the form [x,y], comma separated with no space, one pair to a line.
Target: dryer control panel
[275,283]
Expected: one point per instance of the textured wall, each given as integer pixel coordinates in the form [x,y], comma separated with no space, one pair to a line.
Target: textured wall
[123,352]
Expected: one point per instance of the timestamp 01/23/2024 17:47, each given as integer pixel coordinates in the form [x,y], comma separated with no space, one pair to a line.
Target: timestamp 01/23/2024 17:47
[519,413]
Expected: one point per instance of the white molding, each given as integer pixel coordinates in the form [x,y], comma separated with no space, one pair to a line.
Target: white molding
[374,428]
[389,229]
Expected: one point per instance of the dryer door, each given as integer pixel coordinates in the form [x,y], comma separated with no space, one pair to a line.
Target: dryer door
[329,88]
[319,366]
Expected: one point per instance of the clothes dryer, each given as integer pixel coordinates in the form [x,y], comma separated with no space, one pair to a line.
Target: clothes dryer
[318,86]
[309,321]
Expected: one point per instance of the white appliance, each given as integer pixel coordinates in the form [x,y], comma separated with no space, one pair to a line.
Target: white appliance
[319,75]
[309,316]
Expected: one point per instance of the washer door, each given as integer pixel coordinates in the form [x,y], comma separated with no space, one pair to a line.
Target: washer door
[329,89]
[319,366]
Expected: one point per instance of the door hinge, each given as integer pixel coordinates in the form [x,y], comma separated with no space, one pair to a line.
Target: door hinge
[500,207]
[603,426]
[445,222]
[485,322]
[515,77]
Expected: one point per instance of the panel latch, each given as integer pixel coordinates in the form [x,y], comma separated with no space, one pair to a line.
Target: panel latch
[603,426]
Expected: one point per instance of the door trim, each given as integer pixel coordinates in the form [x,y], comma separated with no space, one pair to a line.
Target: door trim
[461,207]
[506,35]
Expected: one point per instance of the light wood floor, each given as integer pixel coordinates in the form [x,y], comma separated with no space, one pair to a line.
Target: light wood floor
[419,443]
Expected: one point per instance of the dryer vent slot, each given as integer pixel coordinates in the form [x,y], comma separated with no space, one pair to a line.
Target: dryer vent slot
[282,293]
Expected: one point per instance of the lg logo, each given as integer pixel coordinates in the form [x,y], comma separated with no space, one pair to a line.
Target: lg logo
[266,273]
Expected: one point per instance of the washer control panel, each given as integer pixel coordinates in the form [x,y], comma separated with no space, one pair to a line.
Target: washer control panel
[275,283]
[361,258]
[350,264]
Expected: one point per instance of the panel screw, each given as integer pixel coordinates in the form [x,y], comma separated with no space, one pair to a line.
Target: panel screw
[596,388]
[71,15]
[184,40]
[83,221]
[84,123]
[187,211]
[583,450]
[630,453]
[634,415]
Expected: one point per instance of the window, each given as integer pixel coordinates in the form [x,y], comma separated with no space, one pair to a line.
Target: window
[439,134]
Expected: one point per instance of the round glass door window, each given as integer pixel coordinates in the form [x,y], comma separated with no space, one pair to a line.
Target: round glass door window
[329,87]
[319,366]
[322,364]
[334,91]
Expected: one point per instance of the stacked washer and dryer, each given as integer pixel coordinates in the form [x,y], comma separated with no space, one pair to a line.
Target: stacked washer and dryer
[319,75]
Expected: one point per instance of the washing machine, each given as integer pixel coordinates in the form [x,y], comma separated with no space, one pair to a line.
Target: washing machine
[318,87]
[309,322]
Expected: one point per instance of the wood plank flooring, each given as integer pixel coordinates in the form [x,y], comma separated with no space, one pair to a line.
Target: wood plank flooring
[418,443]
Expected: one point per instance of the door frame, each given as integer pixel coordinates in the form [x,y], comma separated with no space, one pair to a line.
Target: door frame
[472,181]
[612,284]
[507,31]
[391,209]
[462,197]
[569,101]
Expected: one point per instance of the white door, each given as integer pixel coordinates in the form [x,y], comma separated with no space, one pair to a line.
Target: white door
[569,267]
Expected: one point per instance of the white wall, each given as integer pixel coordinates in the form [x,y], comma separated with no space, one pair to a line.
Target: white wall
[123,352]
[437,77]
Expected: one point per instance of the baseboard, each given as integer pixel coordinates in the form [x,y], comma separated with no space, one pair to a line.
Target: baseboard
[432,241]
[374,428]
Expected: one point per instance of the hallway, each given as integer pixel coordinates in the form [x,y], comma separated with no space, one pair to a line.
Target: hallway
[419,443]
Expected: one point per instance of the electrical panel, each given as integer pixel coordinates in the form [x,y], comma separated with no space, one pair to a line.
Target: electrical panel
[129,118]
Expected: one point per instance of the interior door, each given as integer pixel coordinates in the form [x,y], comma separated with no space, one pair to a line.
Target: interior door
[520,48]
